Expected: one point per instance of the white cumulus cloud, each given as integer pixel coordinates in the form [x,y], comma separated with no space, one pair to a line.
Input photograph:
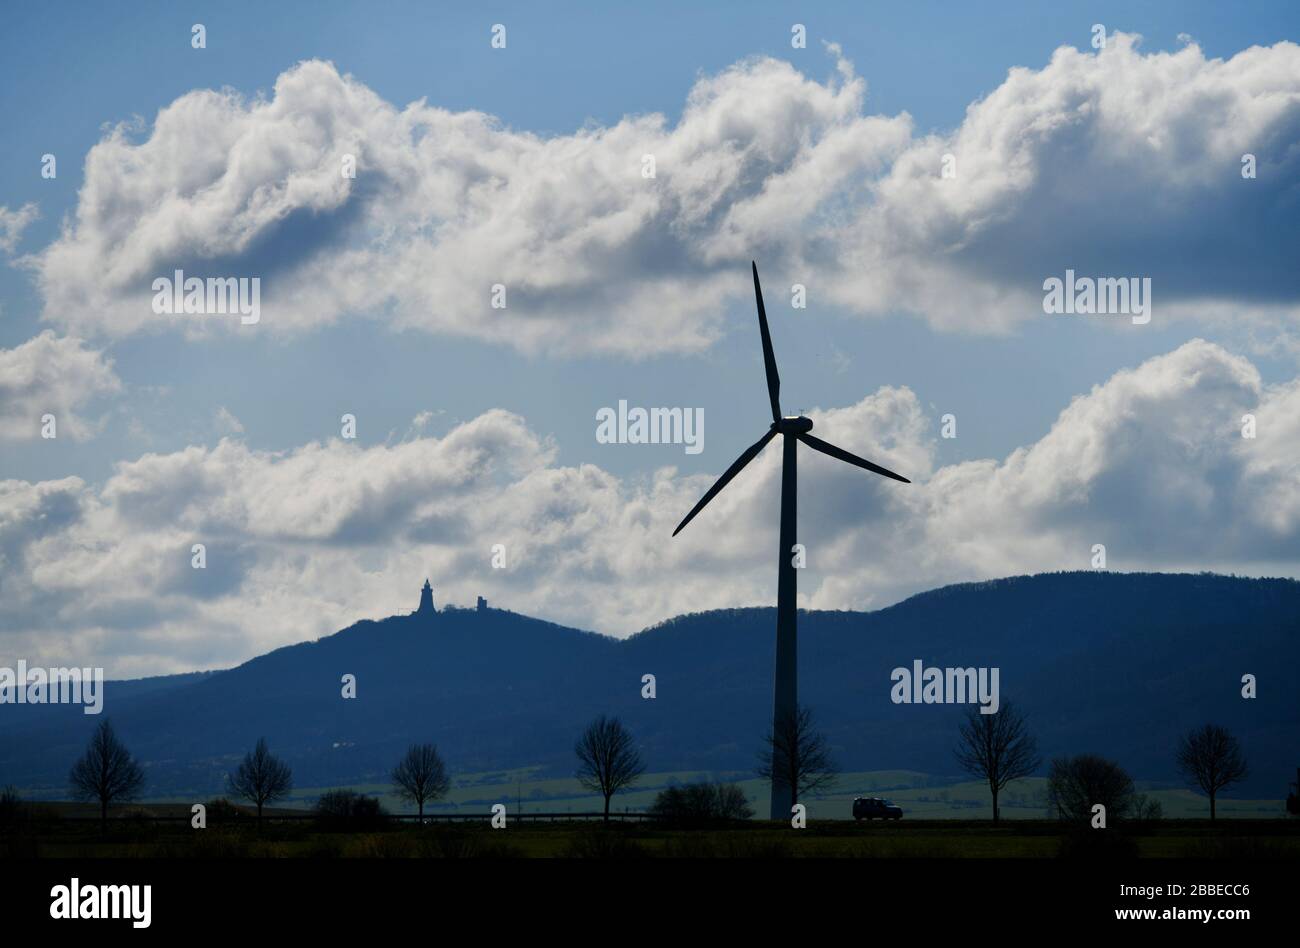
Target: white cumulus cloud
[299,543]
[13,223]
[55,375]
[1119,163]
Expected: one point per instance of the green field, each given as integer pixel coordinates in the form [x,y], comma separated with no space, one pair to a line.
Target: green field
[923,797]
[925,839]
[943,819]
[920,795]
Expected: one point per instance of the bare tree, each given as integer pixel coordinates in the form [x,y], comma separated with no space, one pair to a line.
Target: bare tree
[1076,784]
[997,748]
[262,778]
[106,772]
[607,759]
[797,755]
[421,776]
[1210,758]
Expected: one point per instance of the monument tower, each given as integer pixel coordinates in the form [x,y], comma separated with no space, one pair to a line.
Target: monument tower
[426,601]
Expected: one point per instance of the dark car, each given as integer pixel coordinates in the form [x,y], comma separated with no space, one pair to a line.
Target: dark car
[866,808]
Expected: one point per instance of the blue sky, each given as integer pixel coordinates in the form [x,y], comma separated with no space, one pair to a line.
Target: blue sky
[593,62]
[68,78]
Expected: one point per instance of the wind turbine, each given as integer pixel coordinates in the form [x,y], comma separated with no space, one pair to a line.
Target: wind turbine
[793,429]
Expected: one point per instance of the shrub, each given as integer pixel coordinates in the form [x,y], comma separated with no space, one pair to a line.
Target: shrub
[1146,809]
[13,809]
[702,803]
[1076,784]
[347,809]
[222,810]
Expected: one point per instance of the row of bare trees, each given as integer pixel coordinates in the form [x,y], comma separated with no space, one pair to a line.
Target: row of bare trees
[107,774]
[998,749]
[608,762]
[420,777]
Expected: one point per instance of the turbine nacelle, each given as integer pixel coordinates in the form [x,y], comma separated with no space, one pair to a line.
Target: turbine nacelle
[796,426]
[793,425]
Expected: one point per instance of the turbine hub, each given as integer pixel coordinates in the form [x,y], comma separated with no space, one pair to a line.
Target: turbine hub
[793,424]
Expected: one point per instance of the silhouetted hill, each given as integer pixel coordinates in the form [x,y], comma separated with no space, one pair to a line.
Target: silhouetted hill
[1120,664]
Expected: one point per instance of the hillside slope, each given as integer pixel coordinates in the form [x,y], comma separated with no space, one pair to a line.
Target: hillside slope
[1120,664]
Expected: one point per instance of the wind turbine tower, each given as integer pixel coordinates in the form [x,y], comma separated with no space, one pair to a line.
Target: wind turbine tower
[793,429]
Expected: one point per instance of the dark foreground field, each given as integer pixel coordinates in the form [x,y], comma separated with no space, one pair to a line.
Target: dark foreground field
[932,839]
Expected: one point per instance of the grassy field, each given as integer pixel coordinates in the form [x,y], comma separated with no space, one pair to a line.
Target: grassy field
[921,796]
[944,819]
[927,839]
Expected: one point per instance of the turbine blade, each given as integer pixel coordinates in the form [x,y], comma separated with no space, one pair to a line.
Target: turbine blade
[769,359]
[725,479]
[840,454]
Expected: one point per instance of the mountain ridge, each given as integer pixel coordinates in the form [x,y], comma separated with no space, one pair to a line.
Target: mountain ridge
[1116,663]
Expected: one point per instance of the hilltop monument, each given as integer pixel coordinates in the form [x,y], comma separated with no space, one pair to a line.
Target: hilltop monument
[426,601]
